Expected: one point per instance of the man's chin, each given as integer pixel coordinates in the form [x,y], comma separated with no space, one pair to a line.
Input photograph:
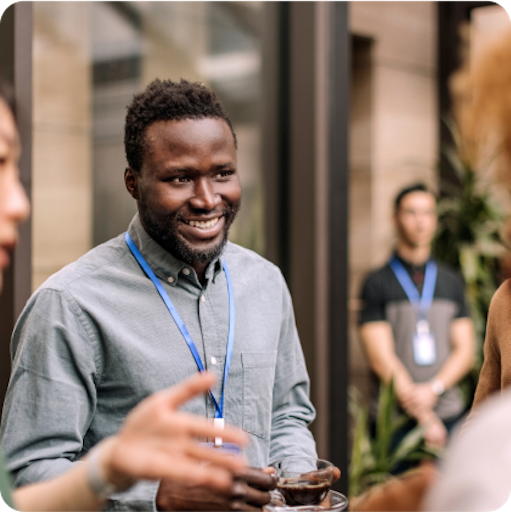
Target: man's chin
[418,244]
[192,253]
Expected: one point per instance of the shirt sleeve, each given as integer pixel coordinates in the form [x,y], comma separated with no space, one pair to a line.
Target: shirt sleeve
[491,377]
[372,303]
[51,398]
[292,410]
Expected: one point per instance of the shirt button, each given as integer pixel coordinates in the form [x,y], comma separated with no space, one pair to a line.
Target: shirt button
[170,279]
[186,271]
[213,361]
[202,298]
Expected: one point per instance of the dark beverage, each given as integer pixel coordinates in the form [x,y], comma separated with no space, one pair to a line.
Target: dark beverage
[305,491]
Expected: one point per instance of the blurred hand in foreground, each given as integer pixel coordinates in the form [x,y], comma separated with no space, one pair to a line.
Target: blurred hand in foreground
[157,441]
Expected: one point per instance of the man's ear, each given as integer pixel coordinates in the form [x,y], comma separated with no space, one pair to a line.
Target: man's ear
[395,219]
[131,182]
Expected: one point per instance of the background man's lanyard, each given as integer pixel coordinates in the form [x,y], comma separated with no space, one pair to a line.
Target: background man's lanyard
[421,304]
[219,407]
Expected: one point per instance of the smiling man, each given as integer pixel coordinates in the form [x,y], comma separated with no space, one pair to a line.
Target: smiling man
[155,305]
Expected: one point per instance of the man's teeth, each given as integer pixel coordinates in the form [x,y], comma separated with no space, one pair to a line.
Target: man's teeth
[203,224]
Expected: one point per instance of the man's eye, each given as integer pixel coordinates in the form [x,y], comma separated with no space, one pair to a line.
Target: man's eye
[225,174]
[180,179]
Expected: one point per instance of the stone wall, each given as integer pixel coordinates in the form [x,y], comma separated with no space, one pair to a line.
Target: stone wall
[393,132]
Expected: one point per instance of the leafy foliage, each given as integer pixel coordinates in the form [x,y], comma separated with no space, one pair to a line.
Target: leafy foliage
[373,459]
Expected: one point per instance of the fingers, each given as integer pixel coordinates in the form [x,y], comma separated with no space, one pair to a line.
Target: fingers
[189,388]
[337,474]
[211,476]
[257,478]
[215,456]
[436,435]
[196,426]
[250,495]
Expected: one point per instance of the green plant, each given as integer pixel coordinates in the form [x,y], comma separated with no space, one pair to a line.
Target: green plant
[469,237]
[373,459]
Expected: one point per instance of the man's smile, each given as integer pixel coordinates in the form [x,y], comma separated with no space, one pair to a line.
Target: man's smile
[195,230]
[203,224]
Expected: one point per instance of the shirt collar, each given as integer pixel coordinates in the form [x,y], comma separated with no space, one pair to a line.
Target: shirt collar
[408,264]
[166,266]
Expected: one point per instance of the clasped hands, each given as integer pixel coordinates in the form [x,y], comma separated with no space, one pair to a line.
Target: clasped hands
[418,401]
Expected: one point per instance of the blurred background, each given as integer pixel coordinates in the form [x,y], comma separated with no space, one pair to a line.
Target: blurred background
[336,106]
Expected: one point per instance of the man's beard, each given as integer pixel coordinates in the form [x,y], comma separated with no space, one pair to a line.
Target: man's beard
[164,229]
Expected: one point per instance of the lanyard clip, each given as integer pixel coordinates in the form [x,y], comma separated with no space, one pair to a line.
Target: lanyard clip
[219,423]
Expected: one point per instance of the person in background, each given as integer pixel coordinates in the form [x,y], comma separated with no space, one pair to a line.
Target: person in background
[155,441]
[154,305]
[414,322]
[474,471]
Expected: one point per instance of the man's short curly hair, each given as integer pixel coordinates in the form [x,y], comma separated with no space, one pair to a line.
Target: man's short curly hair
[164,100]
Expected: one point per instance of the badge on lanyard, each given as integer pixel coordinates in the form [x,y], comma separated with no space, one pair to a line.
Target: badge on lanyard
[226,448]
[424,349]
[423,341]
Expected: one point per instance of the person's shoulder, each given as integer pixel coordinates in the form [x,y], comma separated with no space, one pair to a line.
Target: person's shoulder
[447,270]
[450,277]
[380,271]
[249,261]
[502,297]
[378,276]
[96,261]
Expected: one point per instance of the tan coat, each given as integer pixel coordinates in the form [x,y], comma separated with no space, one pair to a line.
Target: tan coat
[496,371]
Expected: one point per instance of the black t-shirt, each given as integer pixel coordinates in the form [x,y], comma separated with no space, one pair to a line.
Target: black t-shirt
[382,287]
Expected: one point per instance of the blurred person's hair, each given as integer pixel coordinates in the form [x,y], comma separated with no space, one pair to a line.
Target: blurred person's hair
[482,105]
[416,187]
[7,93]
[164,100]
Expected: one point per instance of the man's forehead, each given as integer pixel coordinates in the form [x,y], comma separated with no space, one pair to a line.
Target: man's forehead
[418,198]
[188,124]
[188,131]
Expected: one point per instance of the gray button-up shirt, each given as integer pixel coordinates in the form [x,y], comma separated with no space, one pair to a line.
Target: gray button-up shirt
[97,338]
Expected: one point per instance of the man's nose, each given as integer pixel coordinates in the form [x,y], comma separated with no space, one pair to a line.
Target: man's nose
[205,197]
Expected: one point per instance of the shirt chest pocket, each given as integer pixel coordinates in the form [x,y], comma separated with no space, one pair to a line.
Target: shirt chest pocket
[258,379]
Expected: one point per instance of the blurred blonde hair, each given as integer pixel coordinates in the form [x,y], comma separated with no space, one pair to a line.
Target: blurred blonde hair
[481,92]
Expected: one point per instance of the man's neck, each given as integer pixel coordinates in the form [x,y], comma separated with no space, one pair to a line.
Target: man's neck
[414,255]
[200,268]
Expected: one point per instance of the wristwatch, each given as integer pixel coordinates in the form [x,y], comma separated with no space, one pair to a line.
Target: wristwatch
[437,386]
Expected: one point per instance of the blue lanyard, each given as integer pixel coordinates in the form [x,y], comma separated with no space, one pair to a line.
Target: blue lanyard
[219,408]
[421,304]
